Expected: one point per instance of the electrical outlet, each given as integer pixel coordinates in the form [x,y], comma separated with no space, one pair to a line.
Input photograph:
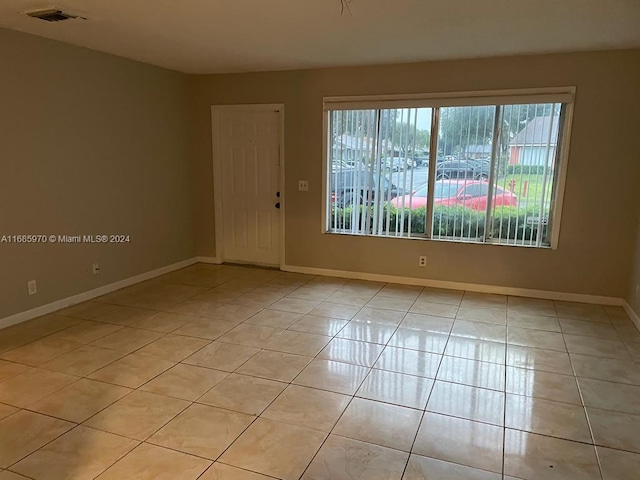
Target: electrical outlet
[95,269]
[303,185]
[32,288]
[422,261]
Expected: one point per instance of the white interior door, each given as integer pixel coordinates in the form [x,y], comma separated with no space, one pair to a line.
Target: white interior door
[249,156]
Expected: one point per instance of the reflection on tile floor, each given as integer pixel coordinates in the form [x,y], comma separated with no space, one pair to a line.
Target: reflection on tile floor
[223,373]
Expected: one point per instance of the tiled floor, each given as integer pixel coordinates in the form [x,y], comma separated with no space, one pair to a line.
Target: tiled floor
[229,373]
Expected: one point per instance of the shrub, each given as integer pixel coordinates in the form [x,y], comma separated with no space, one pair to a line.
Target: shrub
[525,169]
[460,222]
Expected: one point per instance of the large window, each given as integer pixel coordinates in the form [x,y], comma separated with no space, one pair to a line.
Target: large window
[475,168]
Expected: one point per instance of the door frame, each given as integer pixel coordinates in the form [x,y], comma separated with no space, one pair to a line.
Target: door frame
[216,110]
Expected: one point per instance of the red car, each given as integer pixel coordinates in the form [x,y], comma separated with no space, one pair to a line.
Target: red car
[466,193]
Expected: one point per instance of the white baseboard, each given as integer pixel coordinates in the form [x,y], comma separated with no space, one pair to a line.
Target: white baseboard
[96,292]
[471,287]
[632,314]
[214,260]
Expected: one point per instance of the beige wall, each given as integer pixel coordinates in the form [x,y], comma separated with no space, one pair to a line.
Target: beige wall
[89,144]
[633,295]
[601,206]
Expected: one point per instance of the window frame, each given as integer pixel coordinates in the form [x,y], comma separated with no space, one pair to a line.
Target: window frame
[564,95]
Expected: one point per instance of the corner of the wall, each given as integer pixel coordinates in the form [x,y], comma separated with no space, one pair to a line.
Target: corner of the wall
[213,260]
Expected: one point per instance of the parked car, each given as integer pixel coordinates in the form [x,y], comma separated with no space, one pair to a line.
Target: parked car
[466,193]
[360,186]
[462,169]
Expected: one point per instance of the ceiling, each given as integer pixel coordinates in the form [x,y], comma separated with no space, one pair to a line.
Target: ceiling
[215,36]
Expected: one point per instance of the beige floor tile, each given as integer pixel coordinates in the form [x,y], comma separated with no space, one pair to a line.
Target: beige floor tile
[473,349]
[423,468]
[484,300]
[222,356]
[473,373]
[532,306]
[419,340]
[80,400]
[537,322]
[47,324]
[427,323]
[138,415]
[300,343]
[319,325]
[347,459]
[351,351]
[187,382]
[333,376]
[378,315]
[379,423]
[27,388]
[471,403]
[435,309]
[614,429]
[367,332]
[622,371]
[634,350]
[362,287]
[40,351]
[255,299]
[206,328]
[127,339]
[347,298]
[390,303]
[276,449]
[396,290]
[86,310]
[274,319]
[174,347]
[122,315]
[460,441]
[7,475]
[480,331]
[308,407]
[86,332]
[311,293]
[202,430]
[588,329]
[539,359]
[617,465]
[537,457]
[598,347]
[234,313]
[545,417]
[334,310]
[220,471]
[242,393]
[482,315]
[527,337]
[294,305]
[546,385]
[582,311]
[82,453]
[278,366]
[218,295]
[133,370]
[163,322]
[610,396]
[6,410]
[149,462]
[9,370]
[24,432]
[628,332]
[439,295]
[411,362]
[197,308]
[83,361]
[397,388]
[251,335]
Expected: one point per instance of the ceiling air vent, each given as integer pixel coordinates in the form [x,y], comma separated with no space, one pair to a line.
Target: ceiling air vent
[51,15]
